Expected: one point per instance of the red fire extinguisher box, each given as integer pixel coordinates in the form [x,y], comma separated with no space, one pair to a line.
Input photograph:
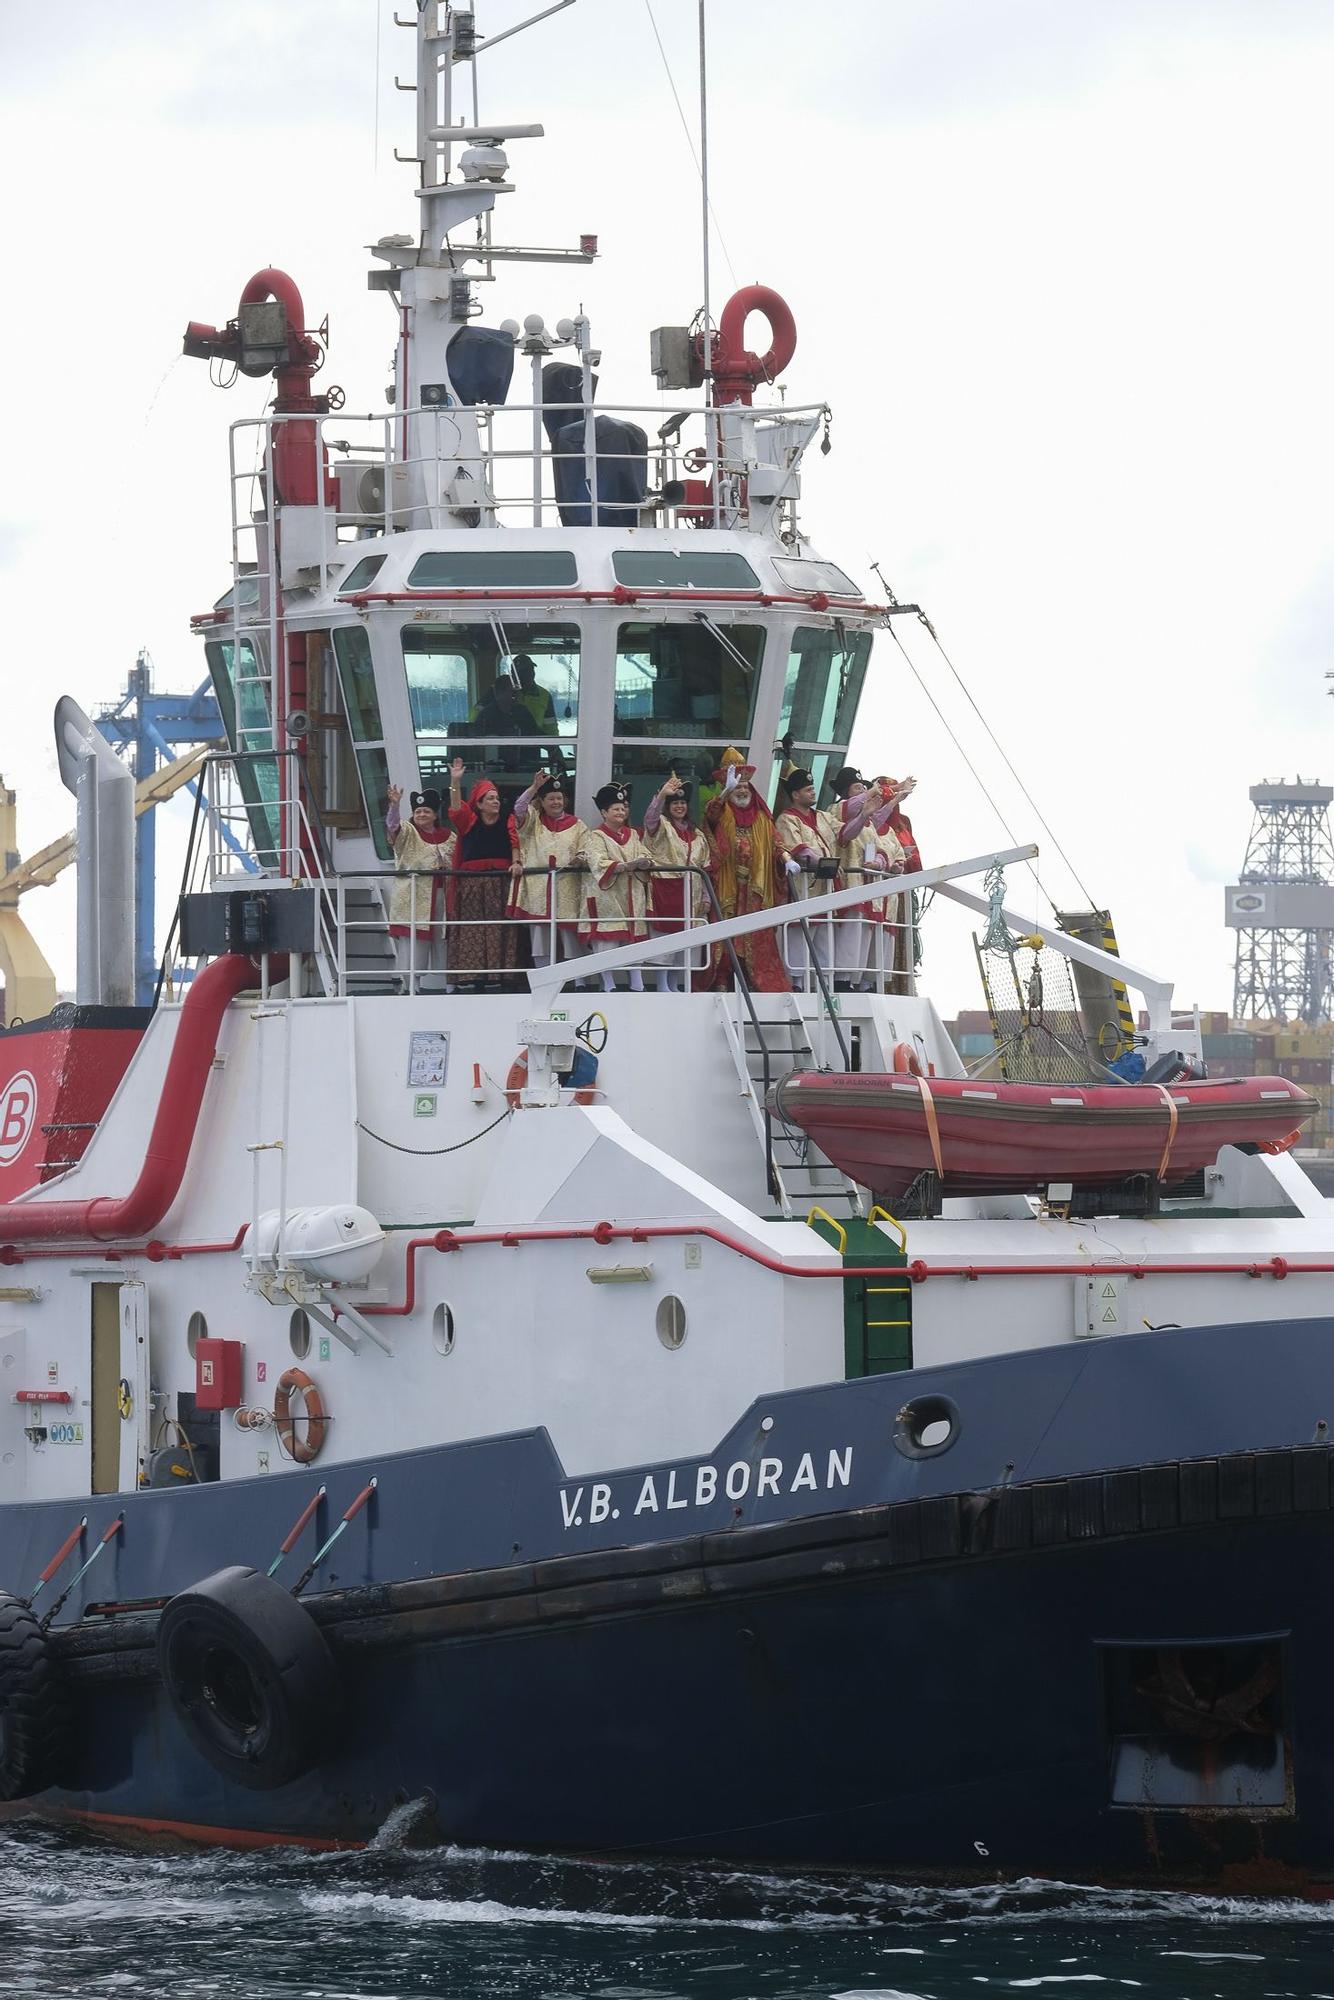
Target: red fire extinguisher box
[218,1374]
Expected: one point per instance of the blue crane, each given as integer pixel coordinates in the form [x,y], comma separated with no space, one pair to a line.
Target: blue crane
[152,726]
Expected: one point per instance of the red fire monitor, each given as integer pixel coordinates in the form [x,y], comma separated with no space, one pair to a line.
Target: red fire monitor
[218,1374]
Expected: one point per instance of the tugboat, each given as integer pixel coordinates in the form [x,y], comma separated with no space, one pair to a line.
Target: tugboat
[439,1378]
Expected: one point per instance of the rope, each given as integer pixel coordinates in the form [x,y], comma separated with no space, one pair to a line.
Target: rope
[996,937]
[977,775]
[1172,1119]
[1042,821]
[685,127]
[932,1127]
[433,1152]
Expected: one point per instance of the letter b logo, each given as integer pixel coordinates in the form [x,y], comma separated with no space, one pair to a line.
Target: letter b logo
[18,1115]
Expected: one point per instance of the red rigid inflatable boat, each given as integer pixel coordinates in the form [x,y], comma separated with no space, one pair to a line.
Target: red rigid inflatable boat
[986,1137]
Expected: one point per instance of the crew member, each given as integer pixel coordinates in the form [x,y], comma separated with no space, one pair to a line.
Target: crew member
[485,945]
[422,847]
[808,850]
[677,845]
[616,862]
[534,697]
[868,850]
[906,936]
[547,837]
[746,872]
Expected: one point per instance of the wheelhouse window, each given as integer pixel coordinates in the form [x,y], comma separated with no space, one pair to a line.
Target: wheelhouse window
[689,678]
[685,689]
[243,702]
[464,569]
[361,702]
[330,758]
[361,575]
[646,767]
[683,569]
[805,573]
[502,696]
[826,667]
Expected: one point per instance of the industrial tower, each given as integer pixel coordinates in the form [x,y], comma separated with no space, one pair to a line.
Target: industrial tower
[1282,909]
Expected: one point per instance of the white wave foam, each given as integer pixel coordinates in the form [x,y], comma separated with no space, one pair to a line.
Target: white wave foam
[483,1910]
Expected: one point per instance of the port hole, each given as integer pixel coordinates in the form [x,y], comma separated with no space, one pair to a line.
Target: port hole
[927,1426]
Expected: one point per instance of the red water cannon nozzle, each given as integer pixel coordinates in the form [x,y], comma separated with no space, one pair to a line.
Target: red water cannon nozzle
[267,337]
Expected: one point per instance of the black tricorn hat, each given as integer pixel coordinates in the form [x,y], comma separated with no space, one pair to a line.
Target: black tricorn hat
[427,798]
[797,780]
[611,795]
[843,781]
[555,783]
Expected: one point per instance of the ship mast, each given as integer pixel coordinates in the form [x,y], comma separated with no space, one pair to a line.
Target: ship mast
[438,461]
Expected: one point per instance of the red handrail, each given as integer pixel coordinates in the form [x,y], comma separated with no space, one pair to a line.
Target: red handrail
[918,1271]
[105,1218]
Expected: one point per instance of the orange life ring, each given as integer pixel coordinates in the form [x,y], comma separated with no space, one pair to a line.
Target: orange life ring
[310,1446]
[518,1077]
[905,1060]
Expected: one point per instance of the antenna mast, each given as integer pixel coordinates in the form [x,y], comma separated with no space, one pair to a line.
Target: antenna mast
[710,428]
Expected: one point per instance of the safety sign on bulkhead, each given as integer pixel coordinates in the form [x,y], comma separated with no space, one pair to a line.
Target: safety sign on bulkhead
[428,1059]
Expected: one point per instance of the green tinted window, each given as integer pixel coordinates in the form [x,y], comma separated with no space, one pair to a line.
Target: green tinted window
[464,569]
[823,684]
[684,569]
[361,575]
[244,706]
[356,675]
[804,573]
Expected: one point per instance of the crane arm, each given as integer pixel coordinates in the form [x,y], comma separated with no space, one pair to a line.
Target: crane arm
[42,868]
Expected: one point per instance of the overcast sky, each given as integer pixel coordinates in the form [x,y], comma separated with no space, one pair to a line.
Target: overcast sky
[1060,266]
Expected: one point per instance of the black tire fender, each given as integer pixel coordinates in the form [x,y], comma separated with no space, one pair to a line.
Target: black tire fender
[35,1721]
[250,1676]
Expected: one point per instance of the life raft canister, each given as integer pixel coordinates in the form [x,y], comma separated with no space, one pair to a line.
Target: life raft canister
[302,1449]
[250,1676]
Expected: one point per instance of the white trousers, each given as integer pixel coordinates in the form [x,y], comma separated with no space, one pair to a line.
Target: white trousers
[416,955]
[799,957]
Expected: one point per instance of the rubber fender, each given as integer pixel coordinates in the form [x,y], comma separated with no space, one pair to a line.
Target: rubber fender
[35,1721]
[250,1677]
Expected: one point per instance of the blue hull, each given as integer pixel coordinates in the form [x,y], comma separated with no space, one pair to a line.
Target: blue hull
[838,1655]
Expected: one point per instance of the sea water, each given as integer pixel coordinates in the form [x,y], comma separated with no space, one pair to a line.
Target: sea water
[81,1916]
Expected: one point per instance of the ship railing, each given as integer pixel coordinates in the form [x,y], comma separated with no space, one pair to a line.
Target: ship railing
[433,954]
[540,464]
[547,981]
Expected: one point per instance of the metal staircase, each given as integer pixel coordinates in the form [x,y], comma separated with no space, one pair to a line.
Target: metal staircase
[367,950]
[800,1176]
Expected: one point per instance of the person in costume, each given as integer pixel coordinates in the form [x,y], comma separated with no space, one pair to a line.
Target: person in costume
[868,850]
[675,843]
[808,849]
[422,847]
[615,893]
[485,945]
[546,836]
[905,937]
[747,875]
